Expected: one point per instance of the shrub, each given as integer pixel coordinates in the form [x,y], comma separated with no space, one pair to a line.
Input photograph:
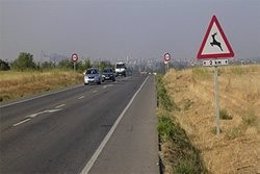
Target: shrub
[165,128]
[4,66]
[47,65]
[185,167]
[24,62]
[224,115]
[162,96]
[65,64]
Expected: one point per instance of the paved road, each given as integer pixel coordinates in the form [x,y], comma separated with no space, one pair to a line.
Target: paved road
[59,133]
[133,146]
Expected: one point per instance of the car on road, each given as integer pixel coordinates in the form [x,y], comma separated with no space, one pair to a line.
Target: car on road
[108,74]
[120,69]
[92,76]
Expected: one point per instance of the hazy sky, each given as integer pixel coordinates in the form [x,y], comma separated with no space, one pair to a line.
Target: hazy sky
[119,28]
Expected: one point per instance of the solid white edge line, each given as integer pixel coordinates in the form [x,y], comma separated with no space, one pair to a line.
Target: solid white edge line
[94,157]
[21,122]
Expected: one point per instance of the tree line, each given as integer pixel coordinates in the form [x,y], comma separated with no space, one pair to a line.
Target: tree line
[25,62]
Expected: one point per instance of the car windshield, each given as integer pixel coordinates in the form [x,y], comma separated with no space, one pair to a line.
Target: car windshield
[107,70]
[120,66]
[91,71]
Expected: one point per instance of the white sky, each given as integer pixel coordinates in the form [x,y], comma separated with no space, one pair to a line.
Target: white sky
[114,29]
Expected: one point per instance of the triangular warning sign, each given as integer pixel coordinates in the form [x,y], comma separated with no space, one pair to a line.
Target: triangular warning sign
[215,43]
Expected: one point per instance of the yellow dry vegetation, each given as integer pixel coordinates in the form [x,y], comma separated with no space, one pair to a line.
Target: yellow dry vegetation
[19,84]
[236,150]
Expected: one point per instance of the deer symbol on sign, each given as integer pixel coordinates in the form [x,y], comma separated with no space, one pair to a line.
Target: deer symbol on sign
[215,42]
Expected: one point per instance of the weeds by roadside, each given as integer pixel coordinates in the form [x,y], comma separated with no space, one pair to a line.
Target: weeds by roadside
[236,149]
[163,98]
[178,155]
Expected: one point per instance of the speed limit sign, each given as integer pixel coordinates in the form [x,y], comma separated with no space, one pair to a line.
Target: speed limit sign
[74,57]
[167,57]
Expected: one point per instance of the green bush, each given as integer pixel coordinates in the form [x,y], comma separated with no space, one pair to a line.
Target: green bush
[83,65]
[165,128]
[185,158]
[24,62]
[224,115]
[185,167]
[65,64]
[4,66]
[162,96]
[47,65]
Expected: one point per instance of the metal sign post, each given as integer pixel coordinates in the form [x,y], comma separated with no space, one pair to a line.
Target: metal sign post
[166,58]
[74,58]
[215,45]
[216,92]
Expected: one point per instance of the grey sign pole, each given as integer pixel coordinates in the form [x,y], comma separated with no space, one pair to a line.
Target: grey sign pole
[74,66]
[166,67]
[216,92]
[222,49]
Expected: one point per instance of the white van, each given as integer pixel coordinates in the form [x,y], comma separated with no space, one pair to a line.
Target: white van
[120,69]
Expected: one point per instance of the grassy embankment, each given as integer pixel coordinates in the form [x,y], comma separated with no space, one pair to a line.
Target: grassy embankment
[14,85]
[176,151]
[236,150]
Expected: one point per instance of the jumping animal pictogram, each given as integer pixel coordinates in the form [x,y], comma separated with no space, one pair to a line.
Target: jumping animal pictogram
[215,42]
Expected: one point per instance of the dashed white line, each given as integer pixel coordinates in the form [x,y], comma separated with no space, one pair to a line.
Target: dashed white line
[60,106]
[95,91]
[81,97]
[106,86]
[34,115]
[44,95]
[42,112]
[21,122]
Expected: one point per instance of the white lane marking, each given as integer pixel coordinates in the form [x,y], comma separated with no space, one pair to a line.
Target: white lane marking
[60,106]
[106,86]
[21,122]
[42,112]
[44,95]
[81,97]
[93,159]
[95,91]
[33,115]
[52,110]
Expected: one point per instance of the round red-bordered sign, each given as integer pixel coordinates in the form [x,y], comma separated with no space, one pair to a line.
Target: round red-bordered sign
[74,57]
[167,57]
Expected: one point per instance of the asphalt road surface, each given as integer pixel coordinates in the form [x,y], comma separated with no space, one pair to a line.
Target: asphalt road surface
[60,133]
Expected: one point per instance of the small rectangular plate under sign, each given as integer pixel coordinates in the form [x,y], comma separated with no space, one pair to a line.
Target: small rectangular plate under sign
[215,62]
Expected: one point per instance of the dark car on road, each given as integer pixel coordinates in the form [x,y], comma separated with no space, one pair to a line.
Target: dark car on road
[108,74]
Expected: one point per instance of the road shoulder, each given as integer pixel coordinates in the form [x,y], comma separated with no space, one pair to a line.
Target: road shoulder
[133,148]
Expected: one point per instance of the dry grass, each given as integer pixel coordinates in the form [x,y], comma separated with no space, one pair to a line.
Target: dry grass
[19,84]
[236,149]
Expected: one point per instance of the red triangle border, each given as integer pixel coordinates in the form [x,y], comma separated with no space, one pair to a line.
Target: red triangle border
[219,55]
